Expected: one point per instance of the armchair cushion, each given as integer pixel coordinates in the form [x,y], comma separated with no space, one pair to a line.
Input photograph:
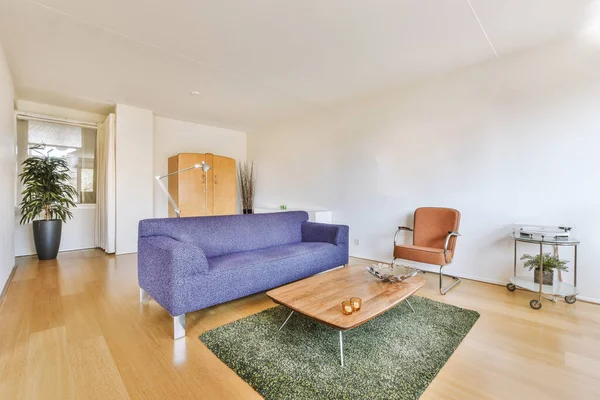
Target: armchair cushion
[427,255]
[432,225]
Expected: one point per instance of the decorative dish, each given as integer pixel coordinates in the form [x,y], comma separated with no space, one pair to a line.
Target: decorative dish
[386,273]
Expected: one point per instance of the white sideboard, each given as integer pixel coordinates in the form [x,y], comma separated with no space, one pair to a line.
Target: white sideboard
[322,216]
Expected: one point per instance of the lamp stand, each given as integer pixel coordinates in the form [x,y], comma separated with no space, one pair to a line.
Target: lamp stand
[205,167]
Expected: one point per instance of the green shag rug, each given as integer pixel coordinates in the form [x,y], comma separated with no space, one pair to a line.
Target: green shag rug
[394,356]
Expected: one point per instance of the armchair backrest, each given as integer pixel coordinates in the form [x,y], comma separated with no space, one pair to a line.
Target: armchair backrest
[432,224]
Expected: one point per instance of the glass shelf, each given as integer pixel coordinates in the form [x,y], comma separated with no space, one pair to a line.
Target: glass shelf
[570,241]
[556,289]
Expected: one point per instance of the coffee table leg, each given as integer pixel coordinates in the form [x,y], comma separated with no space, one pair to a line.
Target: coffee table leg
[342,347]
[410,305]
[286,320]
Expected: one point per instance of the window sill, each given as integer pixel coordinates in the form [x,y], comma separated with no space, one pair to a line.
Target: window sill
[85,206]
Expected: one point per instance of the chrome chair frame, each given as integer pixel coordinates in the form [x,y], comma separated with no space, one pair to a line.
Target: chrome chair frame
[443,290]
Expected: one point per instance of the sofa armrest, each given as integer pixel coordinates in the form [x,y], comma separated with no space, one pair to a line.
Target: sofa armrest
[328,233]
[163,255]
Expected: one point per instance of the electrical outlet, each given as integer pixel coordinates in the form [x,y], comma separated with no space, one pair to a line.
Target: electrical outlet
[356,242]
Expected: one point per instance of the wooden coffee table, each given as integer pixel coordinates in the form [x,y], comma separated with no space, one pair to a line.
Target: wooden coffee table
[320,297]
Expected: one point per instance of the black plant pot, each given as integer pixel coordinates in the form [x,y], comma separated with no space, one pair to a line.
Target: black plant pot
[547,279]
[248,211]
[46,235]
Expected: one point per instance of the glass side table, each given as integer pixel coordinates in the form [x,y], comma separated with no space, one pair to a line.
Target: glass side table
[558,288]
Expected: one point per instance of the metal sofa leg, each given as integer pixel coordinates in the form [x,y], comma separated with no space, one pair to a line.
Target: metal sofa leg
[179,326]
[446,290]
[144,296]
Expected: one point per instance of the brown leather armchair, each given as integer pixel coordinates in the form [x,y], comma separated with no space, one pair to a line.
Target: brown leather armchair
[434,239]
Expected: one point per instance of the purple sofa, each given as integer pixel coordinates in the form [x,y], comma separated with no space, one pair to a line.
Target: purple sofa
[187,264]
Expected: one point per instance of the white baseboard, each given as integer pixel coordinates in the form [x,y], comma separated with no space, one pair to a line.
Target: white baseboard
[588,299]
[59,252]
[5,287]
[474,278]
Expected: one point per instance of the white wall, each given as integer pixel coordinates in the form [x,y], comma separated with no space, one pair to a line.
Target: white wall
[172,137]
[7,171]
[510,141]
[134,177]
[78,233]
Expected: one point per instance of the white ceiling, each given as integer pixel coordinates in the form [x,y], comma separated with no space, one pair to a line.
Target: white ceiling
[259,62]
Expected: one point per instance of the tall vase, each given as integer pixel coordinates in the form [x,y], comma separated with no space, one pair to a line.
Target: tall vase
[46,236]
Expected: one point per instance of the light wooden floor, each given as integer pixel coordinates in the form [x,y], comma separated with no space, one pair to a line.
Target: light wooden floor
[73,328]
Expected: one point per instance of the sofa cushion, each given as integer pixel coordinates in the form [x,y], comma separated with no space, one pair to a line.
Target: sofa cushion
[226,234]
[256,258]
[240,274]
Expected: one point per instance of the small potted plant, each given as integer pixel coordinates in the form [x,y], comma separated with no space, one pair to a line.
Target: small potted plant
[549,264]
[46,190]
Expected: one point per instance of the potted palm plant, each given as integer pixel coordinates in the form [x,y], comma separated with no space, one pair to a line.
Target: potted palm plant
[47,190]
[549,265]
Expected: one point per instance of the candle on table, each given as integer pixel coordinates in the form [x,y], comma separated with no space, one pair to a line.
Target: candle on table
[356,303]
[347,307]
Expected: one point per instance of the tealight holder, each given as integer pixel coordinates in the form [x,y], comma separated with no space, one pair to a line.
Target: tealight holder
[347,308]
[356,303]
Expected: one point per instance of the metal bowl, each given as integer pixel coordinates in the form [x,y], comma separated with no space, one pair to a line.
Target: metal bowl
[386,273]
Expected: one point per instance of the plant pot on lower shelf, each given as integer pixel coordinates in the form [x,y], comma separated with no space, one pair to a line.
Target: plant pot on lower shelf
[547,279]
[248,211]
[46,235]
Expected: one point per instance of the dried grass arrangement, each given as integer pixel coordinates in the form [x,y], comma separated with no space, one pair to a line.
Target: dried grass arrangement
[247,181]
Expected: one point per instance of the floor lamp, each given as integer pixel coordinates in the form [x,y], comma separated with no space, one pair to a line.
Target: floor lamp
[205,167]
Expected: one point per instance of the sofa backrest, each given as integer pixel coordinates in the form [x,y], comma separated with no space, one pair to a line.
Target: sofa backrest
[227,234]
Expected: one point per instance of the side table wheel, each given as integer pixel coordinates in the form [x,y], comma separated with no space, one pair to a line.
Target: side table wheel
[511,287]
[536,305]
[570,299]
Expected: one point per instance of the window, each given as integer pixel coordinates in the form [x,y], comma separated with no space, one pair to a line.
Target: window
[75,143]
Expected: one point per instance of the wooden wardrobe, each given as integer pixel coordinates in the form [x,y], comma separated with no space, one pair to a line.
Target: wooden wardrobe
[198,193]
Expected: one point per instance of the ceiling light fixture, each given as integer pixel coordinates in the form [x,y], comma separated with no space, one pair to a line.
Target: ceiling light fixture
[482,28]
[194,93]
